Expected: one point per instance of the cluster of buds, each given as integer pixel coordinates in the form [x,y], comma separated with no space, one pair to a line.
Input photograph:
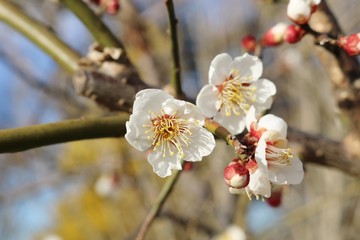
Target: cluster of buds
[300,11]
[282,32]
[111,6]
[351,44]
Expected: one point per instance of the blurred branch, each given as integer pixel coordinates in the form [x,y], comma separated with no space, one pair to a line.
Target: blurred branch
[21,139]
[323,151]
[64,99]
[175,80]
[93,23]
[40,35]
[162,197]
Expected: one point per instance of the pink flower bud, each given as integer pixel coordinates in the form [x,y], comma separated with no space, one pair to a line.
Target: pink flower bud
[188,166]
[249,43]
[236,175]
[351,44]
[293,34]
[113,7]
[274,36]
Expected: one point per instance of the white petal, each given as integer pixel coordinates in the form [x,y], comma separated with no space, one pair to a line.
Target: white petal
[171,106]
[263,106]
[272,122]
[207,99]
[135,131]
[259,184]
[260,154]
[264,90]
[291,174]
[162,166]
[219,68]
[250,118]
[150,99]
[193,114]
[235,124]
[299,11]
[248,66]
[202,143]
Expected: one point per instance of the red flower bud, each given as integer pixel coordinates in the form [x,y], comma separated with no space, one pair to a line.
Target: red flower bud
[113,7]
[249,43]
[188,166]
[293,34]
[274,36]
[275,199]
[351,44]
[236,175]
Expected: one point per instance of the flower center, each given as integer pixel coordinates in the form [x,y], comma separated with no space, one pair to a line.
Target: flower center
[234,95]
[168,133]
[278,156]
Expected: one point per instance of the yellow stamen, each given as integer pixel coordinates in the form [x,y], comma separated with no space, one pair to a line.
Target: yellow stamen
[278,156]
[235,94]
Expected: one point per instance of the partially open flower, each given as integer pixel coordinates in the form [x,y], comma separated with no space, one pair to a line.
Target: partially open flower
[272,154]
[236,175]
[170,128]
[300,11]
[234,86]
[351,44]
[275,35]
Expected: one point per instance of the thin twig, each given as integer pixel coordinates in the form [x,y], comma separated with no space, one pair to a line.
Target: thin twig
[21,139]
[154,211]
[175,80]
[39,34]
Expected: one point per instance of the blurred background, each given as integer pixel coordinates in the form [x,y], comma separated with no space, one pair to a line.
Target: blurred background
[102,189]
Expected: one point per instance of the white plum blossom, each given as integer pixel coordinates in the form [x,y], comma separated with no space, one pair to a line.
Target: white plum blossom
[274,161]
[171,129]
[300,10]
[234,86]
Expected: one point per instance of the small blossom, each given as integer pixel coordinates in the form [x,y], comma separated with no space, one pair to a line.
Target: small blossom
[171,129]
[276,196]
[299,11]
[272,154]
[107,184]
[234,86]
[232,232]
[275,35]
[236,175]
[249,43]
[351,44]
[294,34]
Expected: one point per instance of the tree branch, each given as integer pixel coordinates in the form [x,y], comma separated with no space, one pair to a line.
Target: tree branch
[93,23]
[175,80]
[21,139]
[40,35]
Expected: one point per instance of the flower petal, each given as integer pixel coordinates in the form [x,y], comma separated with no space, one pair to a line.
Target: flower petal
[264,90]
[135,131]
[260,154]
[202,143]
[162,166]
[248,66]
[250,118]
[291,174]
[219,68]
[207,99]
[234,123]
[149,99]
[259,184]
[272,122]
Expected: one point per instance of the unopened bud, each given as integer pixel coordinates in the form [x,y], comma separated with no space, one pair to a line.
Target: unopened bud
[113,7]
[236,175]
[275,199]
[299,11]
[274,36]
[293,34]
[249,43]
[351,44]
[188,166]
